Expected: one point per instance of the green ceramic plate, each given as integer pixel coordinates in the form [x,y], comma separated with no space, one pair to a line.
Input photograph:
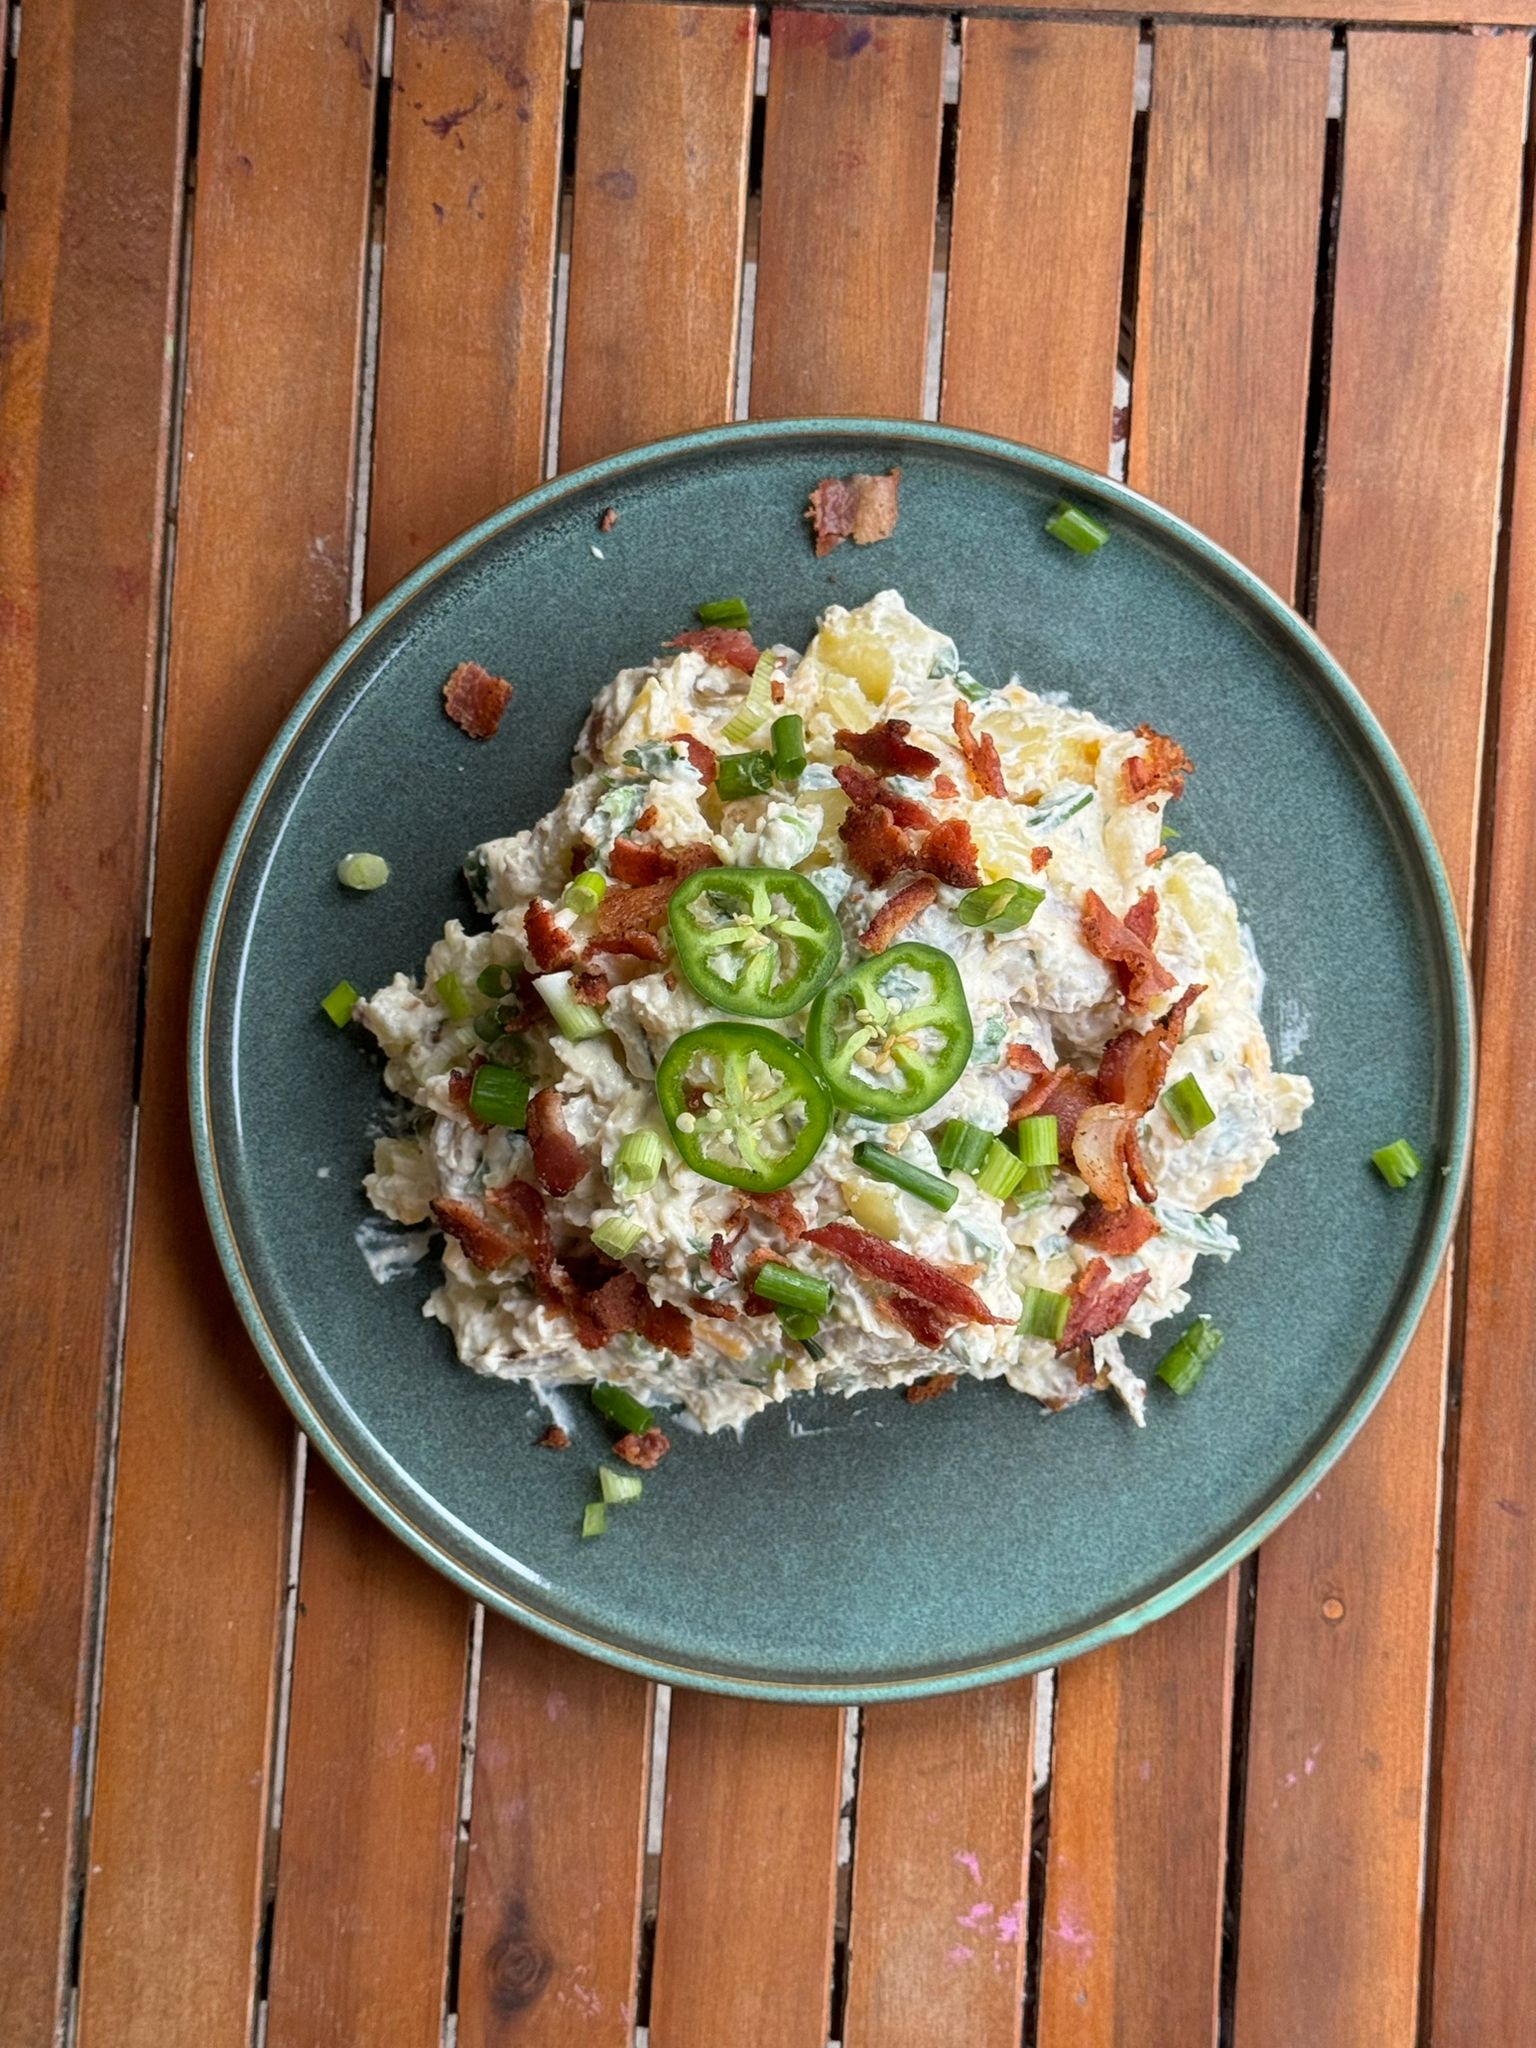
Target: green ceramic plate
[840,1550]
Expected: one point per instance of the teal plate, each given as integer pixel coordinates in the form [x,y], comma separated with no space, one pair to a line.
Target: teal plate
[839,1550]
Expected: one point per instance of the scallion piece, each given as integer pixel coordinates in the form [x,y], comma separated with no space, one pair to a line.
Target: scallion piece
[787,735]
[794,1289]
[1190,1355]
[1036,1138]
[1045,1314]
[725,611]
[450,993]
[1186,1104]
[339,1004]
[739,775]
[572,1019]
[496,980]
[618,1236]
[754,708]
[638,1163]
[962,1146]
[1077,529]
[1001,1171]
[490,1025]
[584,894]
[362,871]
[901,1173]
[812,1349]
[799,1323]
[621,1409]
[618,1487]
[1397,1163]
[594,1519]
[1001,906]
[499,1095]
[1036,1180]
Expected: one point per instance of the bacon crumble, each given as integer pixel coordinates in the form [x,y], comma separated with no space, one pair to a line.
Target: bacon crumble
[949,852]
[866,791]
[1039,857]
[1162,765]
[475,700]
[896,913]
[885,747]
[860,508]
[704,760]
[980,751]
[903,1270]
[1134,1064]
[1099,1304]
[1064,1094]
[558,1160]
[1120,1232]
[548,940]
[876,845]
[1126,945]
[932,1387]
[481,1241]
[554,1439]
[723,646]
[645,1451]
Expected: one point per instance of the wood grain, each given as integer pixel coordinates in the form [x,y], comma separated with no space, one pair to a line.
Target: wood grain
[850,191]
[941,1865]
[1044,154]
[173,1902]
[1484,1904]
[1137,1868]
[1412,13]
[748,1875]
[656,243]
[1333,1858]
[86,319]
[552,1905]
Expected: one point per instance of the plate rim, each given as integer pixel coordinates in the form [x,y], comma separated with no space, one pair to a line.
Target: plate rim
[1457,1059]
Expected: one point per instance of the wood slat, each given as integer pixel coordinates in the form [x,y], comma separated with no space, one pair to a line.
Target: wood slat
[1218,420]
[1333,1855]
[661,166]
[1411,13]
[1484,1903]
[173,1904]
[1044,154]
[850,189]
[86,320]
[748,1875]
[941,1869]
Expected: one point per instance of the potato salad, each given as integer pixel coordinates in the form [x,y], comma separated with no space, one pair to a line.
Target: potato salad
[847,1024]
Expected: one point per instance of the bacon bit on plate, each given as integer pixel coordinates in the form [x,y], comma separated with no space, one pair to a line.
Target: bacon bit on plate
[723,646]
[930,1389]
[904,1270]
[1162,764]
[945,785]
[461,1084]
[608,520]
[591,986]
[475,699]
[1116,1231]
[1098,1151]
[717,1311]
[779,1205]
[860,507]
[1065,1095]
[704,759]
[1039,857]
[554,1439]
[896,913]
[876,845]
[548,940]
[482,1242]
[1134,1065]
[1099,1304]
[557,1158]
[949,852]
[1126,945]
[980,751]
[645,1451]
[776,689]
[866,792]
[646,822]
[886,748]
[720,1255]
[1157,854]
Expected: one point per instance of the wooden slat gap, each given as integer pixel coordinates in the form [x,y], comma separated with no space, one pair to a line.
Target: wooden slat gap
[1112,15]
[1315,466]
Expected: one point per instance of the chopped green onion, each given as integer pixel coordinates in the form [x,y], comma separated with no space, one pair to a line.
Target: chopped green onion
[1036,1138]
[621,1409]
[450,993]
[618,1487]
[725,611]
[490,1025]
[574,1020]
[1185,1102]
[1001,1171]
[799,1323]
[1036,1180]
[594,1519]
[794,1289]
[496,981]
[741,775]
[812,1349]
[962,1145]
[901,1173]
[362,871]
[754,707]
[618,1236]
[1000,906]
[787,735]
[1190,1355]
[638,1163]
[339,1004]
[1168,835]
[1077,529]
[585,893]
[499,1095]
[1397,1163]
[1045,1313]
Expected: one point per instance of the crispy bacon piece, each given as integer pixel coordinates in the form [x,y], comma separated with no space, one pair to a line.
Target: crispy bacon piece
[663,1323]
[1135,1063]
[876,845]
[548,940]
[865,790]
[704,759]
[1025,1060]
[1116,1231]
[1126,945]
[725,646]
[886,748]
[896,913]
[1065,1095]
[622,1303]
[930,1389]
[461,1084]
[482,1242]
[860,507]
[717,1311]
[628,918]
[1162,764]
[638,866]
[553,1439]
[903,1270]
[591,986]
[1157,854]
[641,945]
[557,1158]
[645,1451]
[475,699]
[646,822]
[945,785]
[980,751]
[779,1205]
[1099,1304]
[720,1256]
[1098,1151]
[1136,1165]
[949,852]
[523,1206]
[1039,857]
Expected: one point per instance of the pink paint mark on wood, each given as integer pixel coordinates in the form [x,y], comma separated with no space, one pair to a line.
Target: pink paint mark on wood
[968,1860]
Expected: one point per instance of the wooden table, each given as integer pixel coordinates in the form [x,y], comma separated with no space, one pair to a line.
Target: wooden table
[286,293]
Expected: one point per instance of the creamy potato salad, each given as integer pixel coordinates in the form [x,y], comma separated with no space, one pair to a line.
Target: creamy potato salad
[846,1025]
